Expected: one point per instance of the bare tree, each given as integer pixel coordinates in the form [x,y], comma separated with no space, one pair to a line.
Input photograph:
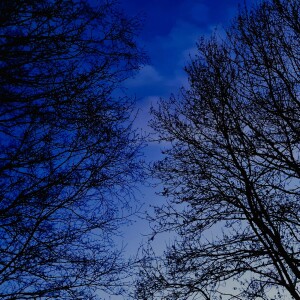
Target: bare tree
[231,170]
[68,155]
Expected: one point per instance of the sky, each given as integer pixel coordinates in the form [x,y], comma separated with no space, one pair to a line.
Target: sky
[169,36]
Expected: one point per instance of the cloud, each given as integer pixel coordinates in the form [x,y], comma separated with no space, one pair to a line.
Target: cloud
[146,76]
[148,82]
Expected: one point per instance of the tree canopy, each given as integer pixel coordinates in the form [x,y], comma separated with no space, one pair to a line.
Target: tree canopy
[68,155]
[231,166]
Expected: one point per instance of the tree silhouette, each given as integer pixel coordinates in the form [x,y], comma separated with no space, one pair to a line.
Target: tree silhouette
[231,170]
[68,155]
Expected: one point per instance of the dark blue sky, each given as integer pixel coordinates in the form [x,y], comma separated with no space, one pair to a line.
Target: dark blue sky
[170,32]
[169,36]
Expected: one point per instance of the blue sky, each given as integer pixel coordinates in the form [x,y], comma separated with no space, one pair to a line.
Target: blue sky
[170,32]
[169,36]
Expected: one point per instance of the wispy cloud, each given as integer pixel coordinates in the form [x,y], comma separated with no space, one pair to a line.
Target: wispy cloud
[147,76]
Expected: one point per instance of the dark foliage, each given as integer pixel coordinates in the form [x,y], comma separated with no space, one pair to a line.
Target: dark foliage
[231,170]
[68,155]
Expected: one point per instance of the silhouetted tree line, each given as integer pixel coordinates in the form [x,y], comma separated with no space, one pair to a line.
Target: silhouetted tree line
[68,155]
[232,166]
